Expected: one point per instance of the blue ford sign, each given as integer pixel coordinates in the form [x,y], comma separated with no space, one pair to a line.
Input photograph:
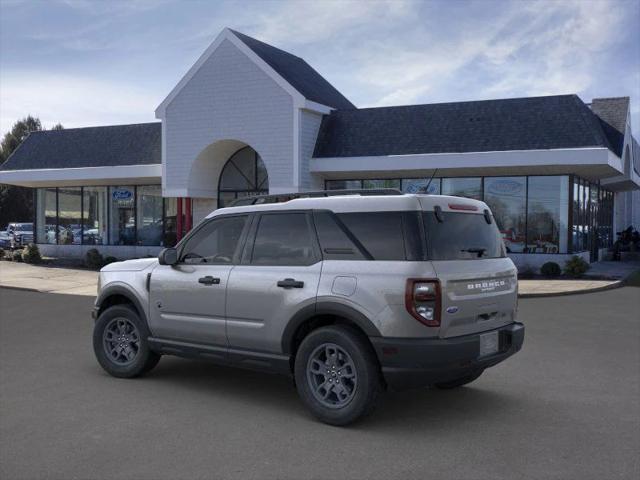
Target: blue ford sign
[122,194]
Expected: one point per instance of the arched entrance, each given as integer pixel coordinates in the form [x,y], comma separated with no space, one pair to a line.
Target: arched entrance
[243,175]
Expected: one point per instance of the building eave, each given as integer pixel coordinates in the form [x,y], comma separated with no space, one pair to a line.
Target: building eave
[84,176]
[593,163]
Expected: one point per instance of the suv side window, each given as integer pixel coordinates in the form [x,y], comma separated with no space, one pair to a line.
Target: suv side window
[336,241]
[381,233]
[283,239]
[215,243]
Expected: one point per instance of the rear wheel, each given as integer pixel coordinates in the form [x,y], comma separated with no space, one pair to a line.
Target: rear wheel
[120,343]
[459,382]
[337,375]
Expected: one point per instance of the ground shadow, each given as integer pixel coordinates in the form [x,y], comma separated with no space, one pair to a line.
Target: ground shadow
[422,408]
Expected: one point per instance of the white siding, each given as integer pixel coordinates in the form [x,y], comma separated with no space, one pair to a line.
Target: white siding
[309,127]
[229,97]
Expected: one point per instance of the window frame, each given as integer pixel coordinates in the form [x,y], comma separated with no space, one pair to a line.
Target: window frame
[235,260]
[247,253]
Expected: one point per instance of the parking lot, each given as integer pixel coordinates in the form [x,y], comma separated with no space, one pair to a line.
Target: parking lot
[565,407]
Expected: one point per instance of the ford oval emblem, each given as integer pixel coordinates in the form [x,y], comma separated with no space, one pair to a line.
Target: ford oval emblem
[452,310]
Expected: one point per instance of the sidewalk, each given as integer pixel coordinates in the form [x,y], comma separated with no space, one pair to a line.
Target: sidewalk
[552,288]
[605,276]
[42,278]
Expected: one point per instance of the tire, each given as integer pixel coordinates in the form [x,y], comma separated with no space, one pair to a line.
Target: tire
[459,382]
[132,357]
[342,355]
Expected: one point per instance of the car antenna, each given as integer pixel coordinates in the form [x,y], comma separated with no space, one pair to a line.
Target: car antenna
[426,190]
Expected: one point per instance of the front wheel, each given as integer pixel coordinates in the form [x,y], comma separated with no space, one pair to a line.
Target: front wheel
[120,343]
[337,375]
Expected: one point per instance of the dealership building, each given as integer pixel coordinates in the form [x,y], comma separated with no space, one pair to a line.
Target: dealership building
[561,175]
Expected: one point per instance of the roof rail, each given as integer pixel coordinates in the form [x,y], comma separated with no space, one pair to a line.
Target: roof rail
[285,197]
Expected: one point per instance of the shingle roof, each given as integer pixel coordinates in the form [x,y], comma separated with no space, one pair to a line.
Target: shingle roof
[532,123]
[298,73]
[613,115]
[109,146]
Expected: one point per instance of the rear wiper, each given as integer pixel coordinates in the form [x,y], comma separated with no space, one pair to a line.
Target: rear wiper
[479,251]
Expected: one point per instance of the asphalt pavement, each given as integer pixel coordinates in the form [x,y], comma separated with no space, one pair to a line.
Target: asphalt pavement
[566,407]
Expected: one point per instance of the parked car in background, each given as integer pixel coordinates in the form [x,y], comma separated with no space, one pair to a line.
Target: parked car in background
[17,235]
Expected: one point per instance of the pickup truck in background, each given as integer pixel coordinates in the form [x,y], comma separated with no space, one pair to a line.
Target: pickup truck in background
[16,235]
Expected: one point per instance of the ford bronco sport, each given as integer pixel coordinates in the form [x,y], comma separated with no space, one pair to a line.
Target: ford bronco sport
[349,294]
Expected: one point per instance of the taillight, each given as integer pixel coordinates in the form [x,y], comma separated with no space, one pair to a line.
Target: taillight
[422,299]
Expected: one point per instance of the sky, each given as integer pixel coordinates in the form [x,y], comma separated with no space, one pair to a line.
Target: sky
[86,63]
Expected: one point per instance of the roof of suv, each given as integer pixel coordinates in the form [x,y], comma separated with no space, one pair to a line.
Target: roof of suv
[368,203]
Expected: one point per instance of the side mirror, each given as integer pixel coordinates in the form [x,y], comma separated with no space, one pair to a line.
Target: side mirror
[168,256]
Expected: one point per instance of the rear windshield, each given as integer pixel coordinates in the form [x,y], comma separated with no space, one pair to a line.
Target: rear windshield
[462,236]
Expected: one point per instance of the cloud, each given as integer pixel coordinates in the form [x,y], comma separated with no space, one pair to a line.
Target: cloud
[533,48]
[316,21]
[72,100]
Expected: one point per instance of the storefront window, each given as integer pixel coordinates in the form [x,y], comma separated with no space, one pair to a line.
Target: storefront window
[46,215]
[122,225]
[149,215]
[69,216]
[421,185]
[506,197]
[389,183]
[343,184]
[469,187]
[94,216]
[170,237]
[547,214]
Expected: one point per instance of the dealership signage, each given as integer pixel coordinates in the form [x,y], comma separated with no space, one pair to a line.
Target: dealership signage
[123,197]
[421,186]
[505,187]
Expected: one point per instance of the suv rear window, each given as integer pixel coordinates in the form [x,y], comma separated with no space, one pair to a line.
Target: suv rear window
[462,236]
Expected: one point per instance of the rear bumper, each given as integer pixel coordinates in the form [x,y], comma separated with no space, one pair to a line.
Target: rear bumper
[412,363]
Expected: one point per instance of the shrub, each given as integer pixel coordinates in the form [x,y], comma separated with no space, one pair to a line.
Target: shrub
[16,256]
[93,259]
[551,269]
[576,266]
[527,271]
[1,254]
[108,260]
[31,254]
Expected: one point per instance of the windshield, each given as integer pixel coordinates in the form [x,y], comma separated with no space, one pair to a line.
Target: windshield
[462,236]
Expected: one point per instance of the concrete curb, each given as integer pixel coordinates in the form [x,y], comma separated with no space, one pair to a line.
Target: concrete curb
[617,284]
[25,289]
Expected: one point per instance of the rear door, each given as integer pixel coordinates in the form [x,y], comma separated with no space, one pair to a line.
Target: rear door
[188,300]
[478,282]
[279,275]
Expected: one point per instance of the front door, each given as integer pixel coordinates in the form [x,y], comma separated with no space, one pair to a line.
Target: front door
[279,275]
[187,300]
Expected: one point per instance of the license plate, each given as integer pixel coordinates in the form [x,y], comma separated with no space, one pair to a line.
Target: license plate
[489,343]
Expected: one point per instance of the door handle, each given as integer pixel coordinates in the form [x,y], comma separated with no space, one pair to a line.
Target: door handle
[209,280]
[290,283]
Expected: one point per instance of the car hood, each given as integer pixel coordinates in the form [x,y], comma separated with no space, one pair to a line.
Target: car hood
[130,265]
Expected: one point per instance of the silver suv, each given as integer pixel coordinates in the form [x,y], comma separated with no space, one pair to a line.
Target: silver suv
[349,295]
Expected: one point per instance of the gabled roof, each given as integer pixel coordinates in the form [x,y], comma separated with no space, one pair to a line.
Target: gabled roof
[613,114]
[110,146]
[298,73]
[292,73]
[534,123]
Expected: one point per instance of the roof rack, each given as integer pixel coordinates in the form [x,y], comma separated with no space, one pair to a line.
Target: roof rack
[285,197]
